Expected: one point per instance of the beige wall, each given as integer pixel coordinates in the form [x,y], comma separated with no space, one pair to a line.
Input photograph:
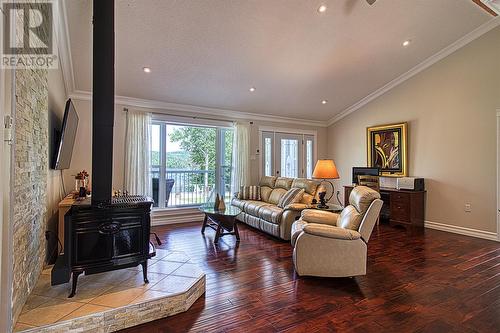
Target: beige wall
[82,152]
[451,111]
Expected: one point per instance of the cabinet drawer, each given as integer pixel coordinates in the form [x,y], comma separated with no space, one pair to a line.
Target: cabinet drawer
[402,199]
[400,211]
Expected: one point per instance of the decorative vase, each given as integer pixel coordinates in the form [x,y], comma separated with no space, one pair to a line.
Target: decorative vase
[217,202]
[222,205]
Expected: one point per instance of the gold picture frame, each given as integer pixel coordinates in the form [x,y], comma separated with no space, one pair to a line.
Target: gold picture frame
[387,149]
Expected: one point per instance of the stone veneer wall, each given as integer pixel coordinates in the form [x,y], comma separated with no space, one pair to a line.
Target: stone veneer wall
[30,183]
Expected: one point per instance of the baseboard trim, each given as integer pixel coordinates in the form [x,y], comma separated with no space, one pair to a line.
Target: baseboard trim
[462,230]
[176,220]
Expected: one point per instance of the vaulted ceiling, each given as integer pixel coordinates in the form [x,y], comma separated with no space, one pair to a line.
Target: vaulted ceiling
[211,52]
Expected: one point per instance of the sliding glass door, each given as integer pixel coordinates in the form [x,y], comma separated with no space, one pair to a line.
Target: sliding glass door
[189,162]
[287,154]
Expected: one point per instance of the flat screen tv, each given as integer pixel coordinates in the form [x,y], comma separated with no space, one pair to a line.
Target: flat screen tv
[356,171]
[64,146]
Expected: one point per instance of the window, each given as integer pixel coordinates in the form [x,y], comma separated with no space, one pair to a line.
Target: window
[289,157]
[268,159]
[287,154]
[189,162]
[309,139]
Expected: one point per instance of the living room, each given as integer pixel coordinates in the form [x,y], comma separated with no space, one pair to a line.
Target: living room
[344,152]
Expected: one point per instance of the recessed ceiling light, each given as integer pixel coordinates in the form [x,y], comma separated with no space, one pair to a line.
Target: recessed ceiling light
[146,69]
[322,9]
[406,42]
[324,101]
[252,89]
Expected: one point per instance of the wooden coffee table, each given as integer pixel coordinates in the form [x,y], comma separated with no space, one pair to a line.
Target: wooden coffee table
[222,221]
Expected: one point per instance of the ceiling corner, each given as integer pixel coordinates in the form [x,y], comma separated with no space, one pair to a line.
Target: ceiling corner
[458,44]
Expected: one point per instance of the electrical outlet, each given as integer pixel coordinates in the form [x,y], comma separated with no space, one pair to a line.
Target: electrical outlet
[468,208]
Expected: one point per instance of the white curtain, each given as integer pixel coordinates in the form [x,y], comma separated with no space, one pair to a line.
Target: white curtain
[241,157]
[138,153]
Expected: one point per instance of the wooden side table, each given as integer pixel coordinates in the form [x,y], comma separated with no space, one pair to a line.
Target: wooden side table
[64,206]
[332,208]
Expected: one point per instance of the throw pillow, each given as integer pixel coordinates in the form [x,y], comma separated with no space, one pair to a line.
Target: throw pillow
[249,193]
[292,196]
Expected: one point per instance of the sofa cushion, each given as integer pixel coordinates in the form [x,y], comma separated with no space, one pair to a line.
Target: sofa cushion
[361,197]
[238,203]
[267,181]
[349,218]
[252,207]
[249,193]
[293,195]
[266,186]
[271,213]
[265,193]
[309,186]
[276,195]
[319,216]
[331,231]
[283,182]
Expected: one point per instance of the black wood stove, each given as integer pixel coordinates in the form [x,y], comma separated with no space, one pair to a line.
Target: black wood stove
[108,238]
[104,233]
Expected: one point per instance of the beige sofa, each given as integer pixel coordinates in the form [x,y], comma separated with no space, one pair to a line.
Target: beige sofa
[266,215]
[334,245]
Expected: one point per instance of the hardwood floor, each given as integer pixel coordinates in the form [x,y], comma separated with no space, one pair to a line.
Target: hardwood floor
[434,282]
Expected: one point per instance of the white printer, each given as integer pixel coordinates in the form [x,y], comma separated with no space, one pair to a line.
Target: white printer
[410,183]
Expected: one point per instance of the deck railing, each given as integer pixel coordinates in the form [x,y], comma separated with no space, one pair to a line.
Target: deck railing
[187,188]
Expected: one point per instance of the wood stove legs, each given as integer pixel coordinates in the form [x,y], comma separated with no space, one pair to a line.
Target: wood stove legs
[76,274]
[74,281]
[145,271]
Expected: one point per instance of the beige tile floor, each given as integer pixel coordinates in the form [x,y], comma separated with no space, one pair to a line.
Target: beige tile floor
[168,273]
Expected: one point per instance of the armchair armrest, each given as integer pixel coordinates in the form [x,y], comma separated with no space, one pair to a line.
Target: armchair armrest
[331,231]
[296,206]
[319,216]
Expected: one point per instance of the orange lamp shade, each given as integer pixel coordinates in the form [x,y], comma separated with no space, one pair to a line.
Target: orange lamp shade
[325,169]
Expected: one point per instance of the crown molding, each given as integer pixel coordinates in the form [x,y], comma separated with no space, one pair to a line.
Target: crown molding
[478,32]
[64,46]
[222,113]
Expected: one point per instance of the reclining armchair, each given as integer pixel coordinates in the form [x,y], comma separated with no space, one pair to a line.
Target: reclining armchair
[335,245]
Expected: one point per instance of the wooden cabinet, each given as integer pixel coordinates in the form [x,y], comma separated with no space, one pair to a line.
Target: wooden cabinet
[401,207]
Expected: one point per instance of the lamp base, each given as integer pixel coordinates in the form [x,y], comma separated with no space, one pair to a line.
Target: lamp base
[322,202]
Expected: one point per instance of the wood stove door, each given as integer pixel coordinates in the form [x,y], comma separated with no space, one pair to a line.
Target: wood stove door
[92,245]
[128,241]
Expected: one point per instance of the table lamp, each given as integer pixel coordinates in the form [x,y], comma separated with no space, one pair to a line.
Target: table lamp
[325,169]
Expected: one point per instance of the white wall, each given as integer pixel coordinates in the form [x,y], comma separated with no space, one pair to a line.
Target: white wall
[82,152]
[451,111]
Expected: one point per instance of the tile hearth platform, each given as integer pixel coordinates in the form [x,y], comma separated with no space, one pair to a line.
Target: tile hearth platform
[115,300]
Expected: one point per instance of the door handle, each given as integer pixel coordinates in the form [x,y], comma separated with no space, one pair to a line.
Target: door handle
[108,228]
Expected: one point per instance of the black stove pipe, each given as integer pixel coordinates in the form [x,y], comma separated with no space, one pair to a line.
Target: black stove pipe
[103,96]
